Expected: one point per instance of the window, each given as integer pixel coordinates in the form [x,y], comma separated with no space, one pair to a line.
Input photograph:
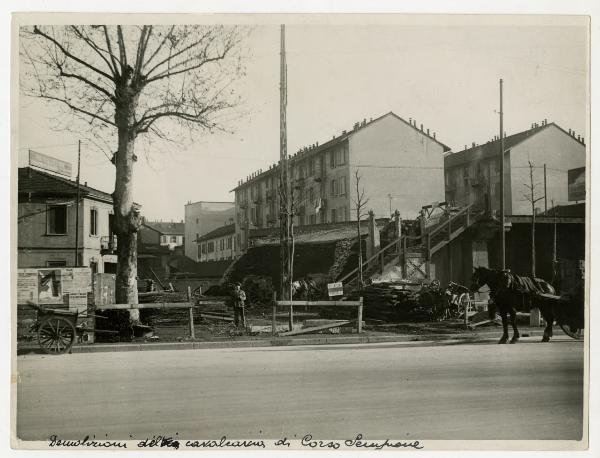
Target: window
[332,159]
[203,248]
[340,158]
[197,220]
[173,239]
[56,263]
[333,215]
[111,221]
[211,247]
[333,189]
[197,236]
[312,219]
[311,166]
[93,221]
[56,219]
[342,186]
[311,196]
[200,250]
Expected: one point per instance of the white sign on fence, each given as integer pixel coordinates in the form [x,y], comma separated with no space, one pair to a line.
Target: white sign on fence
[335,289]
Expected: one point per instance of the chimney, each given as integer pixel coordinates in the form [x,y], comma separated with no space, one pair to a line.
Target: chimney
[473,145]
[434,135]
[410,121]
[465,146]
[356,125]
[583,140]
[578,139]
[317,143]
[545,121]
[343,132]
[427,131]
[569,131]
[421,127]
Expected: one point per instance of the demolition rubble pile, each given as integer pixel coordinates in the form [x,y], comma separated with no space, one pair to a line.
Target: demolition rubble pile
[402,300]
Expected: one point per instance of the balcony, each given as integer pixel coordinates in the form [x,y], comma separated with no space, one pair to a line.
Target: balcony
[257,200]
[243,205]
[108,244]
[318,175]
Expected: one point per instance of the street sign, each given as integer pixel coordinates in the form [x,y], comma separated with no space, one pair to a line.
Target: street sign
[49,163]
[576,184]
[335,289]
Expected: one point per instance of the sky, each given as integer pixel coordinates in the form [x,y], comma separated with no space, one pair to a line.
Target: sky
[442,71]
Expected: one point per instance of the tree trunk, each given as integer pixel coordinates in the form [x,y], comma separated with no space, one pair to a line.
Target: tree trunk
[127,214]
[360,258]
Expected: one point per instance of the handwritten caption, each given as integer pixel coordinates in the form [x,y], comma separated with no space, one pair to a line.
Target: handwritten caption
[173,442]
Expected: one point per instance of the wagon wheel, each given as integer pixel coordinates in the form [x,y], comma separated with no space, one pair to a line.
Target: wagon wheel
[56,335]
[576,334]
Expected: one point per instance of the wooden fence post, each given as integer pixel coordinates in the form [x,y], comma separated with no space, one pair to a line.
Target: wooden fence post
[191,309]
[467,302]
[360,312]
[274,322]
[291,317]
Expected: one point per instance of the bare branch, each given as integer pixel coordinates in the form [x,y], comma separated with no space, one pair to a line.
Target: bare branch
[110,52]
[77,109]
[68,54]
[159,47]
[94,46]
[122,50]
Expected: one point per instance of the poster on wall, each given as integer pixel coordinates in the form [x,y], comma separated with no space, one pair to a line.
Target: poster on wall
[68,286]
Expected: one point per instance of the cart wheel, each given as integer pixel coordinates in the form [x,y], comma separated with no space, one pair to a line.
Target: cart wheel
[56,335]
[576,334]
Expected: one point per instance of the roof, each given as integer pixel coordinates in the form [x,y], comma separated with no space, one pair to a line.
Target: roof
[344,136]
[218,232]
[492,148]
[37,182]
[567,211]
[166,228]
[182,264]
[326,234]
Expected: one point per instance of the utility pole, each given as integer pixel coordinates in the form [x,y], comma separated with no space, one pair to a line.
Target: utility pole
[390,197]
[502,234]
[284,186]
[77,205]
[554,260]
[545,193]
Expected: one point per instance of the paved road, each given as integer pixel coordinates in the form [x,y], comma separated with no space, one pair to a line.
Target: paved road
[524,391]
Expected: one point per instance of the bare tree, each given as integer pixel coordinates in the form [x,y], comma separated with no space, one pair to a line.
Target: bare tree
[360,203]
[126,82]
[530,197]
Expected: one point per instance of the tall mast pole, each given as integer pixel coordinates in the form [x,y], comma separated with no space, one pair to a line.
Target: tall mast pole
[502,234]
[284,188]
[77,206]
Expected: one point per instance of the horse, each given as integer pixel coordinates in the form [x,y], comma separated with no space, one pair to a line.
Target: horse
[507,289]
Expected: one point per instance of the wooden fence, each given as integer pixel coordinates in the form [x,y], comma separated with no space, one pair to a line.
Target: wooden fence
[358,304]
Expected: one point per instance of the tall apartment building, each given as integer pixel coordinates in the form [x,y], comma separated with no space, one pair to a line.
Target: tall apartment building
[473,175]
[202,218]
[400,165]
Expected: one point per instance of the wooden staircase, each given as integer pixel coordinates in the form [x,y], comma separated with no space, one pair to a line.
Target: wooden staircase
[408,249]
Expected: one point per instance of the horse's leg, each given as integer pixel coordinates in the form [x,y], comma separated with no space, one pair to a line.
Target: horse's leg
[549,318]
[513,321]
[504,337]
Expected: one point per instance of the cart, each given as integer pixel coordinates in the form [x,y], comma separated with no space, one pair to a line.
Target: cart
[57,328]
[569,313]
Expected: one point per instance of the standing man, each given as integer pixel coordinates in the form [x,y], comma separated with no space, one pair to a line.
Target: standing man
[239,297]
